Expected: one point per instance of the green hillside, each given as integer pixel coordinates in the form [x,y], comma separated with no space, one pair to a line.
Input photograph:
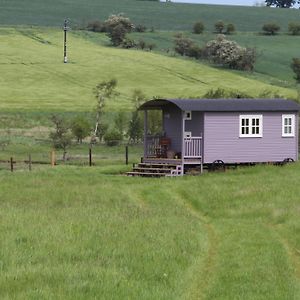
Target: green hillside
[274,53]
[77,233]
[34,78]
[160,15]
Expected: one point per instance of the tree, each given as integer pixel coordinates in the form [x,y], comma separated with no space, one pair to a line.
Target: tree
[219,26]
[61,137]
[120,123]
[270,28]
[81,128]
[282,3]
[198,27]
[230,28]
[112,137]
[135,128]
[103,91]
[229,53]
[117,26]
[182,44]
[295,65]
[294,28]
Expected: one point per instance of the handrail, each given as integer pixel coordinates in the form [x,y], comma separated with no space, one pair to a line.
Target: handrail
[192,147]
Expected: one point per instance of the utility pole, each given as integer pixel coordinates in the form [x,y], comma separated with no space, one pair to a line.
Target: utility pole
[66,28]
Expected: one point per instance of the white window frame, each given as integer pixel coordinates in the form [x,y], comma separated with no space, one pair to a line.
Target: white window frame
[188,115]
[292,133]
[251,118]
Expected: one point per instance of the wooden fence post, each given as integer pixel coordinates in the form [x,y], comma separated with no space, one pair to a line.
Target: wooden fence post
[29,162]
[126,154]
[52,158]
[90,156]
[11,164]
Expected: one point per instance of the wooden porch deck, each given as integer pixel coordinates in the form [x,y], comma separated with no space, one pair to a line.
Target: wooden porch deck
[172,161]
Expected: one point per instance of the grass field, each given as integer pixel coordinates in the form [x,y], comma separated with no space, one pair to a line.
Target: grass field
[75,233]
[160,15]
[273,55]
[78,232]
[33,77]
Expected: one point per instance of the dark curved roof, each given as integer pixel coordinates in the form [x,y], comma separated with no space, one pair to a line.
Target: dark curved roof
[228,105]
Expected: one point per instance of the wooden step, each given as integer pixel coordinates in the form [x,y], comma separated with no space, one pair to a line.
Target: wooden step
[153,170]
[145,174]
[157,165]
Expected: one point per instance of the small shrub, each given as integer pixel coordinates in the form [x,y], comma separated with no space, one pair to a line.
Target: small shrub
[121,123]
[113,138]
[61,136]
[270,28]
[140,28]
[219,26]
[195,51]
[81,128]
[226,94]
[295,65]
[151,46]
[198,28]
[141,44]
[230,29]
[128,43]
[182,45]
[294,28]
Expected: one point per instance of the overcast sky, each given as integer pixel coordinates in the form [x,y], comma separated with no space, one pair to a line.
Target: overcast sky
[229,2]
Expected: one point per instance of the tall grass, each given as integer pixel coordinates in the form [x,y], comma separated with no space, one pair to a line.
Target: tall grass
[75,233]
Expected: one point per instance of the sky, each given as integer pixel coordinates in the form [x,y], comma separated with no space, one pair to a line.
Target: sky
[229,2]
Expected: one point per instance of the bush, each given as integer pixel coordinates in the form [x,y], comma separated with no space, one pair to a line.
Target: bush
[141,44]
[96,26]
[128,43]
[221,93]
[182,45]
[270,28]
[295,65]
[198,28]
[229,53]
[140,28]
[117,26]
[151,46]
[61,137]
[81,128]
[230,28]
[195,51]
[294,28]
[219,26]
[113,138]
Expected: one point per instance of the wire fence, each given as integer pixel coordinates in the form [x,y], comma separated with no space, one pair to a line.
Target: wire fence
[91,157]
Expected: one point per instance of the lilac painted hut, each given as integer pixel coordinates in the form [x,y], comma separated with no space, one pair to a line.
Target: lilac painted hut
[231,131]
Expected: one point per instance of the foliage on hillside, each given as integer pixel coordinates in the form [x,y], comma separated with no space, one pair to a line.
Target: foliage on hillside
[43,82]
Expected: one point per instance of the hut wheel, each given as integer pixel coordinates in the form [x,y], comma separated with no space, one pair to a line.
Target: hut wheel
[287,160]
[218,165]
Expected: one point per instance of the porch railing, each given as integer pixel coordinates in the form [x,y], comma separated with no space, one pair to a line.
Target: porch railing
[192,147]
[152,144]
